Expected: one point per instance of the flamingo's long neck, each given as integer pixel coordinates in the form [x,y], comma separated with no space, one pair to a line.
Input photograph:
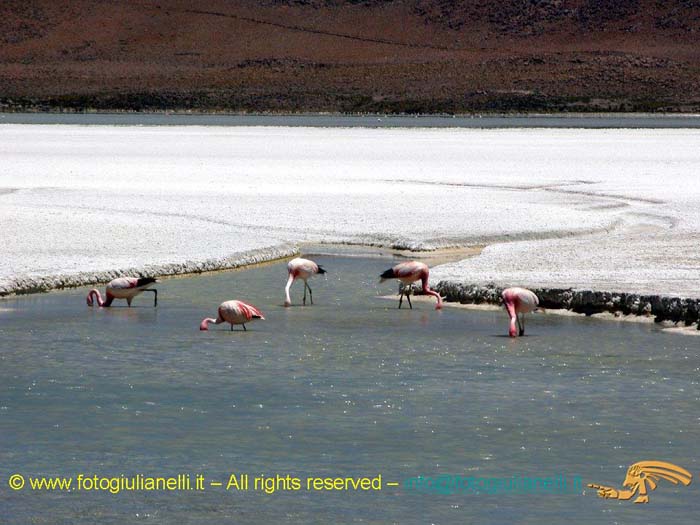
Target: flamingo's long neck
[288,300]
[510,307]
[428,291]
[204,325]
[94,296]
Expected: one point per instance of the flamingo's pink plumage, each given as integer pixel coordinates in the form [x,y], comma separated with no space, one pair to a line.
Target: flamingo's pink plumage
[233,312]
[409,272]
[301,269]
[122,288]
[518,301]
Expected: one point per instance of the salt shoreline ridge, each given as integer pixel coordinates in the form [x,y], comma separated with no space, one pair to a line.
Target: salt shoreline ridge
[661,307]
[245,259]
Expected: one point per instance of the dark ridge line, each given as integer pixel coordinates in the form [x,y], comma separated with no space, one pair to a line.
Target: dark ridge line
[661,307]
[646,200]
[548,187]
[554,188]
[305,29]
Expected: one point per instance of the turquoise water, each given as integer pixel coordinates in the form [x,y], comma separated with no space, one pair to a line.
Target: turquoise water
[348,387]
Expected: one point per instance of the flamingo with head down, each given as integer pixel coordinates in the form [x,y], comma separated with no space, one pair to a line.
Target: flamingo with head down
[301,269]
[123,288]
[233,312]
[407,273]
[519,301]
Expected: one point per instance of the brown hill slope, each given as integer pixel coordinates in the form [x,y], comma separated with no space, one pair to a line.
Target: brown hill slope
[351,55]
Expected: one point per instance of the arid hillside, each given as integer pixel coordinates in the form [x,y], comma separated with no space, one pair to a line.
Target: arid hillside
[410,56]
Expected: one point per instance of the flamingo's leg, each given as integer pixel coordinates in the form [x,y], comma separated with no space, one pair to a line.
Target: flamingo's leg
[288,300]
[311,295]
[400,299]
[232,327]
[244,328]
[304,303]
[155,296]
[128,301]
[408,296]
[521,324]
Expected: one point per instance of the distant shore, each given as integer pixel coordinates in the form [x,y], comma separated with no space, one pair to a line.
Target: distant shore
[370,120]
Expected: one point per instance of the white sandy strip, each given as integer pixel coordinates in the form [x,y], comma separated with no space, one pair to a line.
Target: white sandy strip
[78,198]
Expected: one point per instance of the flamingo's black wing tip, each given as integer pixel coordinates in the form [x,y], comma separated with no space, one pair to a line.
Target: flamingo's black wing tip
[389,274]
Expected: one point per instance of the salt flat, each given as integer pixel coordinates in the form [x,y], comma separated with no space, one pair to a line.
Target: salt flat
[605,209]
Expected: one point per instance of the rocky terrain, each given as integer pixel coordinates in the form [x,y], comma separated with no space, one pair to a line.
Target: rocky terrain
[387,56]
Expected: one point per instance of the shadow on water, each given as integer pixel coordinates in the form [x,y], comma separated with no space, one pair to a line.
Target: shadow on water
[349,386]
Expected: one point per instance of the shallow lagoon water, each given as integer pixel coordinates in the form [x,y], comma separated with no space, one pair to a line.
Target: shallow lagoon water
[350,386]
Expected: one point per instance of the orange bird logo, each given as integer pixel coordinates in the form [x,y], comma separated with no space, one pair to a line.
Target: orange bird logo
[643,477]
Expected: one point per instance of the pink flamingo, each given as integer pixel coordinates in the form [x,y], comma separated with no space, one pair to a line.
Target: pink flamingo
[123,288]
[407,273]
[301,269]
[233,312]
[519,301]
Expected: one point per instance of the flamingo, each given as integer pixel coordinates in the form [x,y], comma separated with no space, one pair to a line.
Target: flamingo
[233,312]
[123,288]
[407,273]
[301,269]
[518,301]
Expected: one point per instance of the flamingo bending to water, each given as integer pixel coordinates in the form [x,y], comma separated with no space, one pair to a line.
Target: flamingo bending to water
[301,269]
[407,273]
[518,301]
[123,288]
[233,312]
